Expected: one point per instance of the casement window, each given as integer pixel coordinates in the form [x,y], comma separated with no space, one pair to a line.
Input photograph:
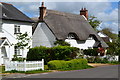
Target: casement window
[16,29]
[17,50]
[90,38]
[71,36]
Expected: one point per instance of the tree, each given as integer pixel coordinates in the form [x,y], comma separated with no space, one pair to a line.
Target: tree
[109,33]
[23,41]
[114,47]
[118,46]
[94,22]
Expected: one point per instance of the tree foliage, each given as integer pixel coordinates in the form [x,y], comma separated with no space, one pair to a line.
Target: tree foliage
[118,45]
[109,33]
[94,22]
[114,47]
[23,40]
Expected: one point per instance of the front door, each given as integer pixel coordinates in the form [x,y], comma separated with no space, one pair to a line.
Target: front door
[4,56]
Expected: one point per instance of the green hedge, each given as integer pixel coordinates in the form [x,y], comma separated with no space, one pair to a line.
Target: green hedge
[53,53]
[91,52]
[68,65]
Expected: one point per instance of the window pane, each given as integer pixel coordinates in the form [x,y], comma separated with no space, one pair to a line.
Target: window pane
[17,29]
[17,50]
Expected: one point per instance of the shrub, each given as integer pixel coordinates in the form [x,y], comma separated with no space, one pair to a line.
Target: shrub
[91,52]
[68,65]
[18,58]
[54,53]
[46,67]
[38,53]
[64,52]
[62,43]
[97,59]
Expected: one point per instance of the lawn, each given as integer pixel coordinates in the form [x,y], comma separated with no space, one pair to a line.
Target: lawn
[28,72]
[2,69]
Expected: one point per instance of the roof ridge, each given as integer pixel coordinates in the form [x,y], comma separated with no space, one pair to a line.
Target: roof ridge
[63,13]
[5,3]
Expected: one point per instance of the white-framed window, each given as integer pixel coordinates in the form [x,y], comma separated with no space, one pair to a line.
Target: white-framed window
[17,50]
[90,38]
[16,29]
[71,36]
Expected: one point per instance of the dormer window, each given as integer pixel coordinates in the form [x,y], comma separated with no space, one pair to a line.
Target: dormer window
[17,29]
[90,38]
[72,36]
[4,15]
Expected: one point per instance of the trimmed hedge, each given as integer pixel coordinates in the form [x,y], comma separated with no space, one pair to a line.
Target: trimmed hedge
[68,65]
[91,52]
[53,53]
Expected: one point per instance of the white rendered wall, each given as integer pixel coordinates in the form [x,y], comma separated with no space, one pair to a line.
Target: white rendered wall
[43,36]
[81,44]
[8,32]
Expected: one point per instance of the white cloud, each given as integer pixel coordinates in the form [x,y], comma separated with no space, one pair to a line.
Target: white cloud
[112,16]
[113,26]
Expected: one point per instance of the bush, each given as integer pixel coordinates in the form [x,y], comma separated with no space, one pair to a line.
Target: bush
[63,52]
[62,43]
[54,53]
[18,58]
[68,65]
[97,59]
[91,52]
[38,53]
[46,67]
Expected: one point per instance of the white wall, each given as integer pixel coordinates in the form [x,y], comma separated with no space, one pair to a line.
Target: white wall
[8,32]
[81,44]
[43,36]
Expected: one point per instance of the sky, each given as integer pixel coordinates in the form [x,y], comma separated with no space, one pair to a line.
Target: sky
[105,11]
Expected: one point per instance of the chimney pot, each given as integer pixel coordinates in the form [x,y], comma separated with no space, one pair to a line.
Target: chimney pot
[42,4]
[84,12]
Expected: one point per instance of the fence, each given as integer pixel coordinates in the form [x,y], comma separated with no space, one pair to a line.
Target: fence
[24,66]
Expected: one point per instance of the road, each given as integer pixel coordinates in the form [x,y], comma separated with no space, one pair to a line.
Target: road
[98,72]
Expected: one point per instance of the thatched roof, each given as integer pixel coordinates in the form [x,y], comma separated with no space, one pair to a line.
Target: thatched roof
[61,24]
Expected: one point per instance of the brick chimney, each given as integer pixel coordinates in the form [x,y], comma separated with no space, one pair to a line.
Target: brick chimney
[84,12]
[42,12]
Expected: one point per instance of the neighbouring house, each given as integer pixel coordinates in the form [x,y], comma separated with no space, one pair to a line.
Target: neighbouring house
[75,29]
[12,22]
[104,37]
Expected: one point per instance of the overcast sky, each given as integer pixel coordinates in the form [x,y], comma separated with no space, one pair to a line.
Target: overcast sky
[107,12]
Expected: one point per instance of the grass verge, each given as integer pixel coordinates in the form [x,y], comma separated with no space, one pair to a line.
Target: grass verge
[27,72]
[2,70]
[77,68]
